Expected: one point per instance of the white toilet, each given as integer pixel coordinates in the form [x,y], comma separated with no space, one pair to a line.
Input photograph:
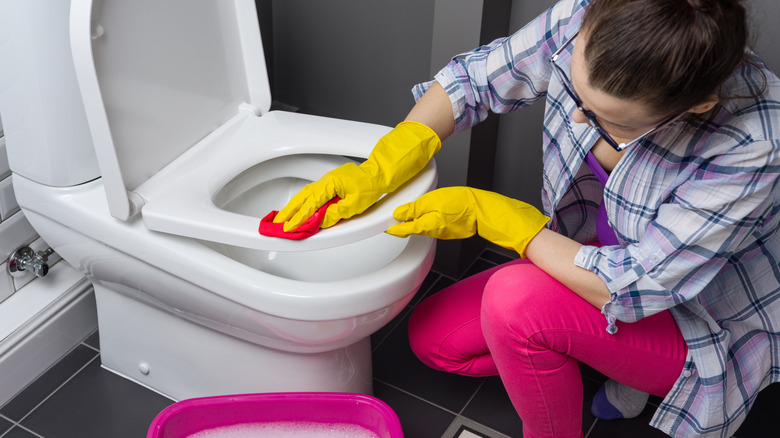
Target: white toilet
[147,159]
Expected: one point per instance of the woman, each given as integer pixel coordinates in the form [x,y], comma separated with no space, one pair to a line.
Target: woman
[661,163]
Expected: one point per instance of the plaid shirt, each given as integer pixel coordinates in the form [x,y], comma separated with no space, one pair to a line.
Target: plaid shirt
[694,206]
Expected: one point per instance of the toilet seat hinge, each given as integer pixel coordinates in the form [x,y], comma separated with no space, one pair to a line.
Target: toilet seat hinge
[248,107]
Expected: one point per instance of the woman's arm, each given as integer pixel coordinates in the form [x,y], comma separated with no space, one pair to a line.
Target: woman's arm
[549,250]
[434,110]
[554,254]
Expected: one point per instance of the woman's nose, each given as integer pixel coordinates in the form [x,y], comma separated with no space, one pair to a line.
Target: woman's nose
[578,116]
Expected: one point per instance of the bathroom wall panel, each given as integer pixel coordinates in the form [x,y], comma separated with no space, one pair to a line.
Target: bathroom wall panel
[765,31]
[351,59]
[15,231]
[8,204]
[518,164]
[6,283]
[5,170]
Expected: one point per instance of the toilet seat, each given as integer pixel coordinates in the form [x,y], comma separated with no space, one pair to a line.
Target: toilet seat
[174,120]
[179,193]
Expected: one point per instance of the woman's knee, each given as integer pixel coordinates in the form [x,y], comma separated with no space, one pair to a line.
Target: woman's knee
[516,297]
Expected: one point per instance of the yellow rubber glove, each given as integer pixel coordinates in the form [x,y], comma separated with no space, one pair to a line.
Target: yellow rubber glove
[396,158]
[460,212]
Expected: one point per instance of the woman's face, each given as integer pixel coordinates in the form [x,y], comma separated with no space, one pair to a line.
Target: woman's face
[623,119]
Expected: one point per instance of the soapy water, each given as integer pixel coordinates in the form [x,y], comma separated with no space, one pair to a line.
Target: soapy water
[287,429]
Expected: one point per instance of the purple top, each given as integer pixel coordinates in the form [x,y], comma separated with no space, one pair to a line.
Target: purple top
[605,233]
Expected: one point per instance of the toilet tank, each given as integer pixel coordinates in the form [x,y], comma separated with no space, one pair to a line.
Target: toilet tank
[47,135]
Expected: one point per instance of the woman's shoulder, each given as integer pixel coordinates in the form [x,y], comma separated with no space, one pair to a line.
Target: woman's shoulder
[752,98]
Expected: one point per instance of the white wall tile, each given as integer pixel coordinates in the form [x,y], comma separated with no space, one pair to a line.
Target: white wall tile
[6,282]
[8,204]
[5,170]
[15,232]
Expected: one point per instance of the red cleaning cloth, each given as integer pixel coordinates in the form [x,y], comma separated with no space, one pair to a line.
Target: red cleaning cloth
[306,229]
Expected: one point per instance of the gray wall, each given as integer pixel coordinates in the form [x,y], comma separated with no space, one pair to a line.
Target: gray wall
[764,16]
[350,58]
[519,153]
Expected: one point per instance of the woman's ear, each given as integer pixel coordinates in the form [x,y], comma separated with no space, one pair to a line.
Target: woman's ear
[705,106]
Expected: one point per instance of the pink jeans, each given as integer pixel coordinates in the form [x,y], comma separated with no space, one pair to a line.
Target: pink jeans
[518,322]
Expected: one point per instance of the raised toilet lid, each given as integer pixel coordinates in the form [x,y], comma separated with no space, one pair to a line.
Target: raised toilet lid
[160,77]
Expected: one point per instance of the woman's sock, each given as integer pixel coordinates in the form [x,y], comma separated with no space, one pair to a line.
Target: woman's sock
[615,400]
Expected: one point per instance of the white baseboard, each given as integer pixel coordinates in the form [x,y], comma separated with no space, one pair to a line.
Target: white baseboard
[41,323]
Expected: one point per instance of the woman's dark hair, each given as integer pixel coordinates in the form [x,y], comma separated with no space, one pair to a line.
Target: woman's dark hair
[670,54]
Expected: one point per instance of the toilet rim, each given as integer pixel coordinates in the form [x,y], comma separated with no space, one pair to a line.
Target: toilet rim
[180,200]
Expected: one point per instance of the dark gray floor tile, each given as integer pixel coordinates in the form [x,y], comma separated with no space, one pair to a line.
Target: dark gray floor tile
[763,420]
[42,387]
[478,266]
[395,364]
[440,283]
[97,403]
[589,389]
[418,418]
[497,258]
[638,427]
[4,425]
[428,283]
[93,340]
[463,427]
[18,432]
[589,373]
[491,406]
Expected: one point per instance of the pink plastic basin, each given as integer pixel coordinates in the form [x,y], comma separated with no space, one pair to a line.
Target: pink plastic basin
[191,416]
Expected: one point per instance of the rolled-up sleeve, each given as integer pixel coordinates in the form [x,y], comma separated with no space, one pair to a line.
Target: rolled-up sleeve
[508,73]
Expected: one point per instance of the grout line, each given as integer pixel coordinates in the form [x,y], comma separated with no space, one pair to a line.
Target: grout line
[416,396]
[590,429]
[484,380]
[57,389]
[49,368]
[449,277]
[13,424]
[25,429]
[90,347]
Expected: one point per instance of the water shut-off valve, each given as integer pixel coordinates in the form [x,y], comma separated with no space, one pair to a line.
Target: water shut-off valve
[26,260]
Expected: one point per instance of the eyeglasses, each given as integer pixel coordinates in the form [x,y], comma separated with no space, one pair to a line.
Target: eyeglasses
[589,115]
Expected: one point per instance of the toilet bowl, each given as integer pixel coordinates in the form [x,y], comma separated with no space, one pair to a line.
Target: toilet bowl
[155,189]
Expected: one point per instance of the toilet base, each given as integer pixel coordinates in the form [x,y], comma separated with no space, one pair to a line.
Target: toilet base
[181,359]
